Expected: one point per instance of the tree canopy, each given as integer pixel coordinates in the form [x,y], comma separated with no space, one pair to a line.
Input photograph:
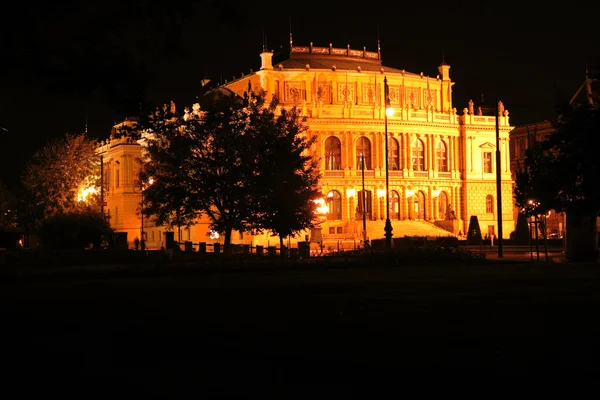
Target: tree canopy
[8,204]
[240,163]
[563,171]
[60,173]
[165,172]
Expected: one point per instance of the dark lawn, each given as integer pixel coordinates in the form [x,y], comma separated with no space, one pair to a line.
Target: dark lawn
[301,334]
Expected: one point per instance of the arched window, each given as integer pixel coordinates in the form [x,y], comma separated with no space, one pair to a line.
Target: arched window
[442,205]
[363,147]
[489,204]
[419,205]
[333,153]
[334,203]
[394,205]
[418,155]
[440,155]
[393,155]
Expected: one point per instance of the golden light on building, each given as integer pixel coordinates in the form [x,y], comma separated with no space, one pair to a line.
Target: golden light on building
[440,158]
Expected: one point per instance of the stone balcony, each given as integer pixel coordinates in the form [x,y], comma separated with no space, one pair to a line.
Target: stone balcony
[376,113]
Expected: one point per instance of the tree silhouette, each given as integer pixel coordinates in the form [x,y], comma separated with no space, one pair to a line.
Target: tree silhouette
[562,173]
[8,204]
[168,146]
[287,174]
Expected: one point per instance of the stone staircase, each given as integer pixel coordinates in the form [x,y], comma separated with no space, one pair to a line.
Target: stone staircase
[375,229]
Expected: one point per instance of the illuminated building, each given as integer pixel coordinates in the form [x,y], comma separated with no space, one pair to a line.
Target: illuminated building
[441,161]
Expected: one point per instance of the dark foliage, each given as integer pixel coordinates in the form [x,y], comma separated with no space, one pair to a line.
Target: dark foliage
[238,162]
[75,230]
[563,171]
[165,179]
[287,174]
[8,204]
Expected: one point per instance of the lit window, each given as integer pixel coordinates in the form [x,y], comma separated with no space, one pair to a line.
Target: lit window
[363,149]
[334,204]
[394,155]
[333,153]
[489,204]
[487,162]
[418,155]
[440,152]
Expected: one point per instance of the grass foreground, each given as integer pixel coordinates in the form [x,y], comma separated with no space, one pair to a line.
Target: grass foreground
[304,333]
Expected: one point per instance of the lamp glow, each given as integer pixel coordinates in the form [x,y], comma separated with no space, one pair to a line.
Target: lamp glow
[380,192]
[84,193]
[389,111]
[350,192]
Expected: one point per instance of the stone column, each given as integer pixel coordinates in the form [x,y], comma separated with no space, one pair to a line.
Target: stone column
[409,164]
[404,142]
[349,150]
[457,154]
[450,153]
[376,157]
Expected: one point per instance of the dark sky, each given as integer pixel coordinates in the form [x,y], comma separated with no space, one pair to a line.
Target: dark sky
[522,51]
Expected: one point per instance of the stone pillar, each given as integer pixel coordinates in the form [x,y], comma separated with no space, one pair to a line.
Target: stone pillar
[376,152]
[351,150]
[404,145]
[431,142]
[458,155]
[409,164]
[449,153]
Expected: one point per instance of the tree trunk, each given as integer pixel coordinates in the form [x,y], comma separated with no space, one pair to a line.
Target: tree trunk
[581,240]
[227,241]
[283,251]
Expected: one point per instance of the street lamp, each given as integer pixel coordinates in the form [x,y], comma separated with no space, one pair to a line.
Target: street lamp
[150,182]
[388,224]
[364,199]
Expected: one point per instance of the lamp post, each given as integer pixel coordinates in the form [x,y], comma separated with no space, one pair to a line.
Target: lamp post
[364,198]
[499,181]
[150,182]
[388,224]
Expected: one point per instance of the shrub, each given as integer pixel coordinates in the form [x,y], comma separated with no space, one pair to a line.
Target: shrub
[74,230]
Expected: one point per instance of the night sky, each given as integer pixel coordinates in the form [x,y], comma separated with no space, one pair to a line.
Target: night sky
[525,54]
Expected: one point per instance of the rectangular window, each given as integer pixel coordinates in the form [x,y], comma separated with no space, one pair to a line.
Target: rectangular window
[331,230]
[487,162]
[117,176]
[340,229]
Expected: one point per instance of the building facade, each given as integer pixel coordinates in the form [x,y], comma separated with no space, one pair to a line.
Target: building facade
[441,161]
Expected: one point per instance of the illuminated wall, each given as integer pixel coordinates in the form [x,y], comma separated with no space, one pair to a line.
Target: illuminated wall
[439,156]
